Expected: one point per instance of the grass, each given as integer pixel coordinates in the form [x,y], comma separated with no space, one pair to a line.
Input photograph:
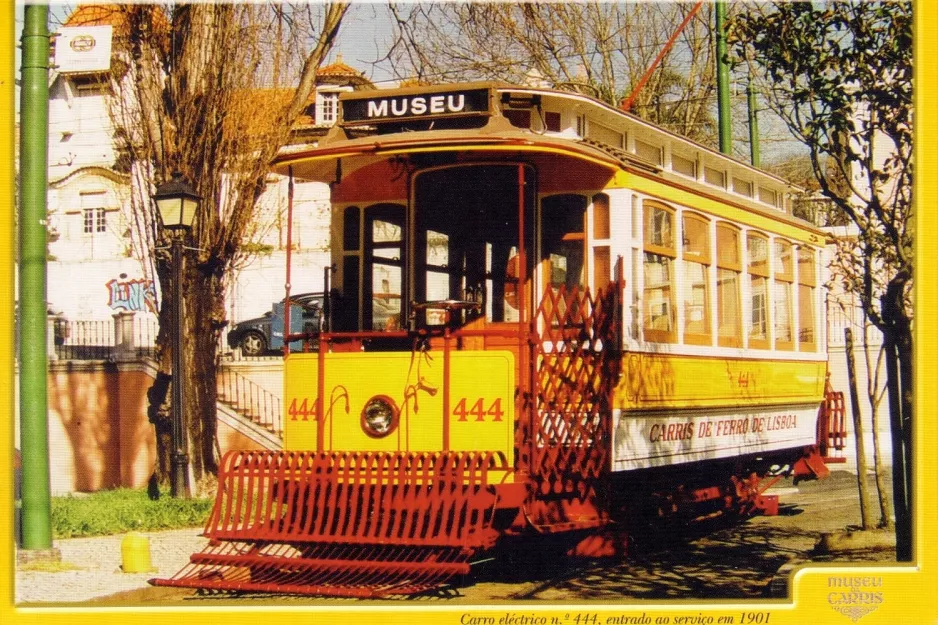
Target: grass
[124,510]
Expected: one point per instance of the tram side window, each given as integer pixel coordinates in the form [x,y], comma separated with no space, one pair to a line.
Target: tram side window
[563,240]
[345,311]
[696,263]
[602,256]
[729,311]
[757,252]
[659,248]
[806,288]
[784,277]
[384,273]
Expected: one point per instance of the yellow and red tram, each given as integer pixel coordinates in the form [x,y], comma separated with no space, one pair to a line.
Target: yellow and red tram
[544,316]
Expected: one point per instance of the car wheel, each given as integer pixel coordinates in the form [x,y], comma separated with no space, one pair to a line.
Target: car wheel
[253,344]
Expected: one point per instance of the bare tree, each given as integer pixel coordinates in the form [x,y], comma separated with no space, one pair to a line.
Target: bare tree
[600,49]
[208,90]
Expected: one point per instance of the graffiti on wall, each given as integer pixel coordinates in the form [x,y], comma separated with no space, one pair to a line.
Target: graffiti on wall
[138,295]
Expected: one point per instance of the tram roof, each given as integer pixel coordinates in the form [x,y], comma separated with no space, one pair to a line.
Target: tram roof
[344,132]
[357,141]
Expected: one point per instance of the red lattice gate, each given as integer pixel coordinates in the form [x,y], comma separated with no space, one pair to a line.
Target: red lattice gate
[577,358]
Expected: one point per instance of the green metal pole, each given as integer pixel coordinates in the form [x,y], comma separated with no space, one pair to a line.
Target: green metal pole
[753,127]
[723,82]
[33,361]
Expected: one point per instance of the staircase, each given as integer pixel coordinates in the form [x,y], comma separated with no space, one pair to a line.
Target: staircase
[249,408]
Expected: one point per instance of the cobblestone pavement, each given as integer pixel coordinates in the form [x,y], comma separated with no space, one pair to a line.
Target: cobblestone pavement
[737,561]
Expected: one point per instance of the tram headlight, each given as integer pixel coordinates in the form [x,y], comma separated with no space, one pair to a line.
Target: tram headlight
[379,416]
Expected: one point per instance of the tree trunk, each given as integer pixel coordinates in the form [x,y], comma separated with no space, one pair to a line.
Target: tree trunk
[898,362]
[204,311]
[875,399]
[866,521]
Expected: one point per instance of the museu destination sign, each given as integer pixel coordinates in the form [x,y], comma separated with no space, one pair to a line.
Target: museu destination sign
[377,109]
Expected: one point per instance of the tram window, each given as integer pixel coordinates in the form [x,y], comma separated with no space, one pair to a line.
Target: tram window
[384,274]
[351,229]
[604,134]
[806,290]
[658,313]
[684,166]
[696,262]
[714,176]
[729,311]
[518,118]
[602,269]
[648,152]
[768,196]
[600,216]
[757,251]
[466,240]
[784,276]
[552,121]
[437,255]
[345,316]
[743,187]
[563,240]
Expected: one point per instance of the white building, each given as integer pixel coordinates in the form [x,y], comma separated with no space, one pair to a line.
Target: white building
[94,268]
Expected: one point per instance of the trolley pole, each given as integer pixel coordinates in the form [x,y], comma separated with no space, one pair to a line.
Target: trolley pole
[723,81]
[31,316]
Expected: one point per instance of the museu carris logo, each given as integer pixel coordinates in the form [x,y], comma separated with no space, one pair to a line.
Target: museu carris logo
[854,596]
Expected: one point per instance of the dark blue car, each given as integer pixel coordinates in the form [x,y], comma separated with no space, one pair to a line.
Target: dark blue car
[264,334]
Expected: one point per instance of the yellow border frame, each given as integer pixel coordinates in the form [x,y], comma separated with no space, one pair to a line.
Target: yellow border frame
[909,591]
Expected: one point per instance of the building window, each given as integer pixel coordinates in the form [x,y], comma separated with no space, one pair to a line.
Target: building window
[729,312]
[660,255]
[92,210]
[329,107]
[696,263]
[95,220]
[757,253]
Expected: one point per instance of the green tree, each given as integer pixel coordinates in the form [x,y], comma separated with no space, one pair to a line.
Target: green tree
[209,90]
[840,75]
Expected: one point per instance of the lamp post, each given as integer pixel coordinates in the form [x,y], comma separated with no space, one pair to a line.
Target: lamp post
[177,203]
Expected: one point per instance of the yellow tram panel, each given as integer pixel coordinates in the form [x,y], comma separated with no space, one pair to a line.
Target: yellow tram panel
[481,400]
[672,381]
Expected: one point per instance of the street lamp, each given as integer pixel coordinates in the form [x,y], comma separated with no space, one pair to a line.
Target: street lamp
[177,203]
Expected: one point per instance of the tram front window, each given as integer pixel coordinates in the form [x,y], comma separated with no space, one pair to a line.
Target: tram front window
[466,241]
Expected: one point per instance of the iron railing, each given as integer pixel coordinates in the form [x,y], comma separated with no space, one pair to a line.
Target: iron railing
[85,340]
[250,399]
[145,332]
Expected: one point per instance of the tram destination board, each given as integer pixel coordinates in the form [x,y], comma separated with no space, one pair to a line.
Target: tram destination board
[384,108]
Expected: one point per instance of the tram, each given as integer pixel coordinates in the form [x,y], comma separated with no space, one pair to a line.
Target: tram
[545,316]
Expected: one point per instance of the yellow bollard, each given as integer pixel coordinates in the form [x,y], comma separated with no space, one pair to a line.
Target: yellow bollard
[135,553]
